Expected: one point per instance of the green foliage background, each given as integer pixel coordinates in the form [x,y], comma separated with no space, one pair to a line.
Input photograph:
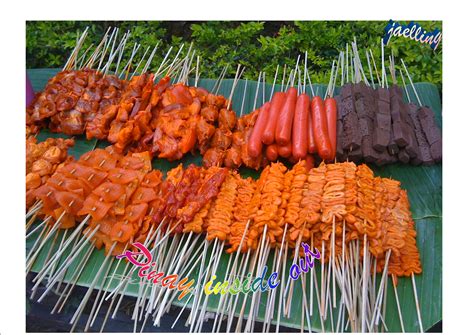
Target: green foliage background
[259,46]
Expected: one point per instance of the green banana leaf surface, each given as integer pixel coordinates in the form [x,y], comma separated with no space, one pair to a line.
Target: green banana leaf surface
[423,183]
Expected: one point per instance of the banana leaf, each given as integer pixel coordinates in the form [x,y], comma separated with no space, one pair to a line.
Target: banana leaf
[423,183]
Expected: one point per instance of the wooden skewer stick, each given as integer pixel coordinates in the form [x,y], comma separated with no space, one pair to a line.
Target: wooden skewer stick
[42,273]
[334,80]
[105,49]
[261,261]
[252,268]
[256,92]
[31,258]
[378,301]
[282,288]
[274,292]
[76,49]
[174,59]
[330,81]
[352,66]
[370,68]
[283,79]
[82,59]
[197,72]
[243,98]
[323,287]
[112,277]
[197,297]
[221,75]
[176,270]
[126,279]
[274,80]
[70,286]
[411,82]
[290,293]
[33,209]
[36,228]
[150,237]
[75,318]
[364,287]
[111,54]
[418,311]
[209,274]
[68,262]
[53,268]
[92,59]
[384,306]
[232,306]
[333,257]
[95,308]
[375,67]
[72,282]
[269,307]
[290,81]
[135,49]
[127,35]
[227,277]
[398,303]
[147,64]
[140,62]
[405,86]
[329,299]
[347,64]
[234,84]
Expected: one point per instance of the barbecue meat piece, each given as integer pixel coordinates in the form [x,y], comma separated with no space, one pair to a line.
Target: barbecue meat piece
[233,158]
[213,157]
[210,113]
[346,91]
[216,100]
[222,139]
[100,125]
[423,145]
[227,119]
[204,131]
[352,138]
[382,123]
[431,131]
[71,122]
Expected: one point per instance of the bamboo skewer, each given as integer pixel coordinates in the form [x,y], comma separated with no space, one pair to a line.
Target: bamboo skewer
[67,263]
[75,318]
[398,303]
[411,82]
[418,312]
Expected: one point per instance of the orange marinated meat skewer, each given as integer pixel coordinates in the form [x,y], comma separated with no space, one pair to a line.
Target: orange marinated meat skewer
[125,197]
[242,211]
[295,202]
[269,212]
[220,215]
[42,160]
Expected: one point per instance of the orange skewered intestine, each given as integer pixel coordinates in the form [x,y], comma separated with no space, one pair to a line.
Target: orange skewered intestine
[333,202]
[221,212]
[242,212]
[269,212]
[297,209]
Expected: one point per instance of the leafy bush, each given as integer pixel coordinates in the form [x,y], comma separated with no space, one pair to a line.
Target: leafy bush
[259,46]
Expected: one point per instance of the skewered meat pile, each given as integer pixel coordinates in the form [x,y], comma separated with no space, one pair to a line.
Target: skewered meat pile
[374,126]
[139,115]
[71,99]
[377,126]
[42,160]
[123,198]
